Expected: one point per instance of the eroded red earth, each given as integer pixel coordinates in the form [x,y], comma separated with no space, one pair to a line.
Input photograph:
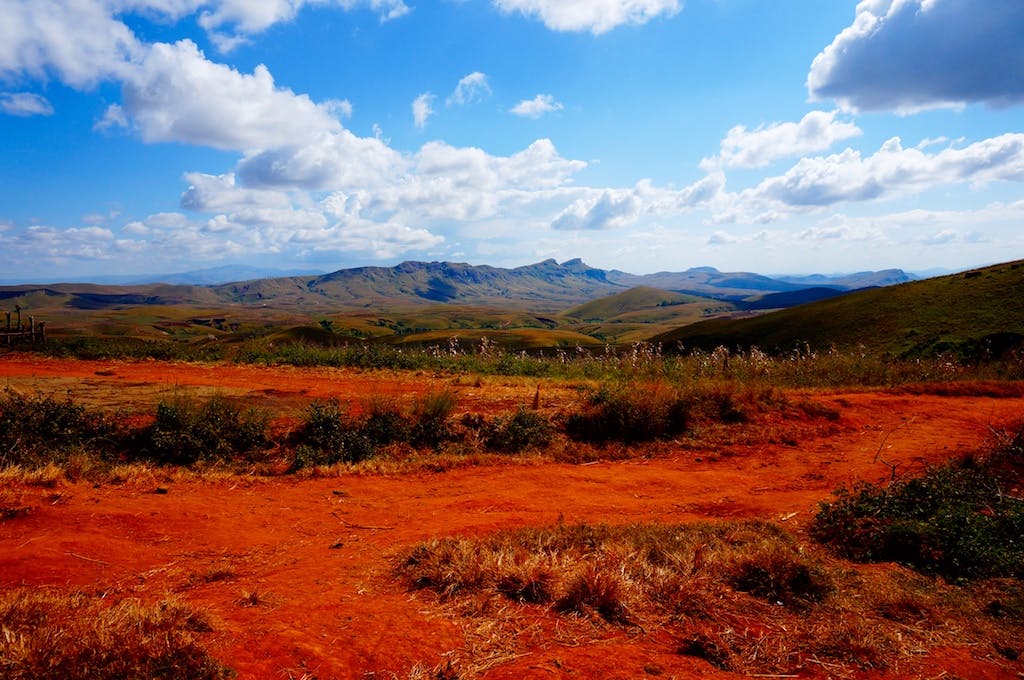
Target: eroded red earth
[317,551]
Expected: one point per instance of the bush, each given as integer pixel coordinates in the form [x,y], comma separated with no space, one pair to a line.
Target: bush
[38,429]
[630,414]
[954,520]
[432,413]
[330,435]
[187,431]
[524,430]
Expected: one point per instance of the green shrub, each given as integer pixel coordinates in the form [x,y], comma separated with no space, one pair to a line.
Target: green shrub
[38,429]
[523,430]
[630,414]
[187,431]
[955,520]
[329,434]
[432,415]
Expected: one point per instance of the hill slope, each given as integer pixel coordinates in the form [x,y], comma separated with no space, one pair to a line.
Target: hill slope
[969,313]
[632,300]
[545,286]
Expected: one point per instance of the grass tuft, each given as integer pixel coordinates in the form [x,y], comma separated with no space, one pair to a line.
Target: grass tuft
[49,634]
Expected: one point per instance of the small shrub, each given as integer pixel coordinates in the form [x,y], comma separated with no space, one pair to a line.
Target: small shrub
[330,435]
[954,520]
[596,589]
[187,431]
[39,429]
[630,414]
[432,413]
[524,430]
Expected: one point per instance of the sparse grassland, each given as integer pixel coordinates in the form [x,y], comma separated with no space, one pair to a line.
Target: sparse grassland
[217,433]
[746,597]
[70,635]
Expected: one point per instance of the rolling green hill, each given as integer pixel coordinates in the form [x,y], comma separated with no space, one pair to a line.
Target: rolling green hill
[971,314]
[633,300]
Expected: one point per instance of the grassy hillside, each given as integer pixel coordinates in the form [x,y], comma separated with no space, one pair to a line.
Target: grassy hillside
[633,300]
[967,313]
[544,287]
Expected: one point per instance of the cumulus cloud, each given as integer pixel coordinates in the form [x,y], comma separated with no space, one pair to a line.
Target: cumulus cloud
[616,208]
[214,193]
[369,179]
[907,55]
[743,148]
[81,43]
[331,161]
[247,17]
[422,109]
[816,182]
[177,95]
[595,16]
[537,107]
[472,88]
[85,42]
[25,104]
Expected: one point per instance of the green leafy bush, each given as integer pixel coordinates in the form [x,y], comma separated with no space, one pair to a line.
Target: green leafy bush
[955,520]
[523,430]
[187,431]
[330,434]
[38,429]
[631,414]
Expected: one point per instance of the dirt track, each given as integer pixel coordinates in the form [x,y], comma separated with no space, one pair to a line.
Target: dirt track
[317,550]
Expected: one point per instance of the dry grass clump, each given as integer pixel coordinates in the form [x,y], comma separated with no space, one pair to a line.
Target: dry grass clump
[744,596]
[634,413]
[50,634]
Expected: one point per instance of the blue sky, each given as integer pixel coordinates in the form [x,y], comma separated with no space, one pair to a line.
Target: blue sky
[153,136]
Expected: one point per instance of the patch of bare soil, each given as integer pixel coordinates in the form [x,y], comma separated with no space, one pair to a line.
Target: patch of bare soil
[296,576]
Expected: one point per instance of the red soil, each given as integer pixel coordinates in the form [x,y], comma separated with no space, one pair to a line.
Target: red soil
[317,551]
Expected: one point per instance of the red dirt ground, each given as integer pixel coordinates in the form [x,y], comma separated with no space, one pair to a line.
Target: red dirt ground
[317,550]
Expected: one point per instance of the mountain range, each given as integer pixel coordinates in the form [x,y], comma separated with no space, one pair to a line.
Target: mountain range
[543,287]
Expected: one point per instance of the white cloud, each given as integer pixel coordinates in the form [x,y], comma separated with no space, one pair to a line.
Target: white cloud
[422,109]
[595,16]
[908,55]
[537,107]
[340,108]
[176,95]
[892,171]
[230,22]
[330,162]
[54,245]
[113,117]
[721,238]
[84,42]
[616,208]
[743,148]
[472,88]
[214,193]
[81,42]
[25,104]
